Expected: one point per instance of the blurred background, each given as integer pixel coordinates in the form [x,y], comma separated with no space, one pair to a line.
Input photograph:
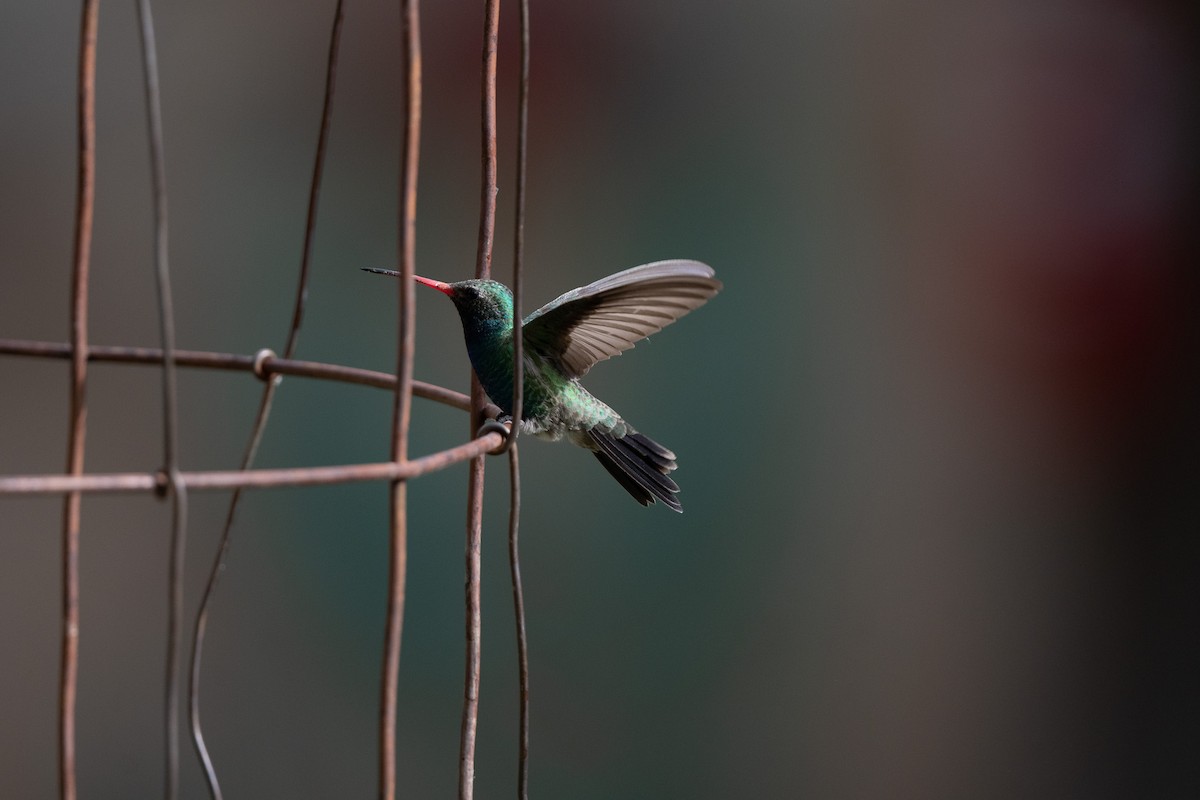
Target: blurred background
[937,436]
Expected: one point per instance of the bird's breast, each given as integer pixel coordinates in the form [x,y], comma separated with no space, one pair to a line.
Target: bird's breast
[551,404]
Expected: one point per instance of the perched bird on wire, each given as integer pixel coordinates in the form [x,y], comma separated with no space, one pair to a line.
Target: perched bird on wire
[561,342]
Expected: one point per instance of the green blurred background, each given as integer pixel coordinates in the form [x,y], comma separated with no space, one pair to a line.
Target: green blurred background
[937,436]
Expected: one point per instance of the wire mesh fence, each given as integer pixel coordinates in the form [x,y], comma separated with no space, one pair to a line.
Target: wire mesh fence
[172,483]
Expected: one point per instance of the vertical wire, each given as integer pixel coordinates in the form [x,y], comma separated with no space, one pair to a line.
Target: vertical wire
[201,624]
[84,197]
[398,561]
[519,227]
[514,565]
[514,465]
[474,628]
[475,479]
[266,401]
[488,190]
[170,396]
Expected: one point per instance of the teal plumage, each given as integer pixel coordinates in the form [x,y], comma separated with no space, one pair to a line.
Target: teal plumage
[562,340]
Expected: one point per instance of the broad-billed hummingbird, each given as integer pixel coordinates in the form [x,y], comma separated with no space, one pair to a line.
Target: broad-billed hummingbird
[562,340]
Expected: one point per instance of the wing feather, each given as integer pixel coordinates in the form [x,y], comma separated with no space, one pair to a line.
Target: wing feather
[606,318]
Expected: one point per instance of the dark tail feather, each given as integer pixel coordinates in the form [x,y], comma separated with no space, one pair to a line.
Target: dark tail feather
[631,486]
[640,465]
[662,458]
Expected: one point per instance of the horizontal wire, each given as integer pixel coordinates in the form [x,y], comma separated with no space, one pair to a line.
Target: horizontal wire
[266,366]
[254,478]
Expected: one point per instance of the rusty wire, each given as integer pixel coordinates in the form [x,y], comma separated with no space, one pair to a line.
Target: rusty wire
[170,469]
[514,464]
[263,364]
[255,478]
[514,567]
[266,400]
[84,213]
[518,397]
[266,365]
[410,148]
[475,479]
[216,480]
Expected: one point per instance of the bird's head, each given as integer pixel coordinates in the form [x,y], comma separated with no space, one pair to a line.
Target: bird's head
[479,302]
[476,300]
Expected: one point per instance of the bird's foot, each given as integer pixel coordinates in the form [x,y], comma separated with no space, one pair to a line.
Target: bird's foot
[501,425]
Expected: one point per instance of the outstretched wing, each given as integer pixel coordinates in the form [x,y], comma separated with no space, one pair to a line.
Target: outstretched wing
[606,318]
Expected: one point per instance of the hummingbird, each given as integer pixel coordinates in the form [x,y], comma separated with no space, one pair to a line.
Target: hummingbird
[561,342]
